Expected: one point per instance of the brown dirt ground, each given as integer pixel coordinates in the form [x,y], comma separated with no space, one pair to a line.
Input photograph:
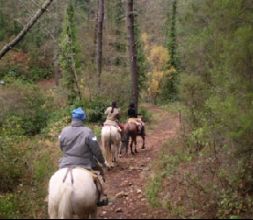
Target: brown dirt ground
[125,184]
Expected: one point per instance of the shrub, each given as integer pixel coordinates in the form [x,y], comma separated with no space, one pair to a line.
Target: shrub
[12,165]
[23,107]
[145,114]
[8,207]
[94,109]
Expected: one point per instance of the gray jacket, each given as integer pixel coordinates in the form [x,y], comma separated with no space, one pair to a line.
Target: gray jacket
[80,146]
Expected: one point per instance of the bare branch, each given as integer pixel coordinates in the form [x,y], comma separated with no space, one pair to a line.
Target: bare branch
[26,28]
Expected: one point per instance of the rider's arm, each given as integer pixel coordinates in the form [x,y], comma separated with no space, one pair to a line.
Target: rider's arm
[95,149]
[60,137]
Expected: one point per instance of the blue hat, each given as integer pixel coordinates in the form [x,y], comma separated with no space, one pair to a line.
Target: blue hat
[79,113]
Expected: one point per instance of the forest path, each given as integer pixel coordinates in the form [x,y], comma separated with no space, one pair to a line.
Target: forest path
[125,184]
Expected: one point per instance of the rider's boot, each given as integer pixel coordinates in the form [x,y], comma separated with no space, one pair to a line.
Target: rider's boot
[102,197]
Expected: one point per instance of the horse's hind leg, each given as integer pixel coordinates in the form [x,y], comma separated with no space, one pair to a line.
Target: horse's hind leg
[135,145]
[115,153]
[143,142]
[131,147]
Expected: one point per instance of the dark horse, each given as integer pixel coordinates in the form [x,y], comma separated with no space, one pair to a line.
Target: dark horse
[130,130]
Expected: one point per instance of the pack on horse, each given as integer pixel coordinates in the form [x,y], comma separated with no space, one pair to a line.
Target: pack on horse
[132,129]
[110,135]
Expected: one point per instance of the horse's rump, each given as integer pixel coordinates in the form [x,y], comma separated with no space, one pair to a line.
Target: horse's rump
[110,137]
[72,194]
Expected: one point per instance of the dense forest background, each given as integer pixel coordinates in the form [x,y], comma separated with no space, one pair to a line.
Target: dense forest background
[194,57]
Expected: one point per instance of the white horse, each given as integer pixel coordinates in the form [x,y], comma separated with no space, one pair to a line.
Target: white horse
[111,140]
[72,194]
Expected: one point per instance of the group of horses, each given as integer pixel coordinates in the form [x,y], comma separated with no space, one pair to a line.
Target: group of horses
[76,195]
[113,143]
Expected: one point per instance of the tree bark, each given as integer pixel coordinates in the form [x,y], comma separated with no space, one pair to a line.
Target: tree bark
[100,40]
[26,28]
[132,53]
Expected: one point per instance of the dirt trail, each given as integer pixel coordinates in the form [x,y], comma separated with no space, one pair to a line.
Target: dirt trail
[125,184]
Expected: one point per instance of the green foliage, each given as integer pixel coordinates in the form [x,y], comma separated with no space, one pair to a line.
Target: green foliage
[166,166]
[94,109]
[153,189]
[145,114]
[215,88]
[37,73]
[2,25]
[57,119]
[42,168]
[231,204]
[24,114]
[8,205]
[11,158]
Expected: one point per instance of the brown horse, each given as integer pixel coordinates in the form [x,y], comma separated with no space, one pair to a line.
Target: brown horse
[130,130]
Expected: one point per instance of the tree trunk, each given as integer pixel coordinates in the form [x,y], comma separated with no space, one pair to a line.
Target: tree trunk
[132,53]
[26,28]
[173,35]
[100,39]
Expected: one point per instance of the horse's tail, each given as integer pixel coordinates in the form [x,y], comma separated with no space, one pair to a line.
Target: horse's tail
[110,139]
[65,207]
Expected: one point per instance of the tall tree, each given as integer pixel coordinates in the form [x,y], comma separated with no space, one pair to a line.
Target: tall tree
[68,56]
[141,59]
[169,90]
[172,42]
[100,39]
[26,28]
[132,52]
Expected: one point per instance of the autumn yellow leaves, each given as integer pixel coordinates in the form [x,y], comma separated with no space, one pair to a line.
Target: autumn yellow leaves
[159,66]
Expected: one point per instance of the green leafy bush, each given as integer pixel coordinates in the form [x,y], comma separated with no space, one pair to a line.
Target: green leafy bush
[94,109]
[12,165]
[145,114]
[8,207]
[23,107]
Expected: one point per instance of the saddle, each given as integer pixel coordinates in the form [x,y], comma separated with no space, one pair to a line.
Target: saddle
[114,124]
[95,174]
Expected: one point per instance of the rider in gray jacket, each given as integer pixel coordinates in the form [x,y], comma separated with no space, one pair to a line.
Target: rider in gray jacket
[79,144]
